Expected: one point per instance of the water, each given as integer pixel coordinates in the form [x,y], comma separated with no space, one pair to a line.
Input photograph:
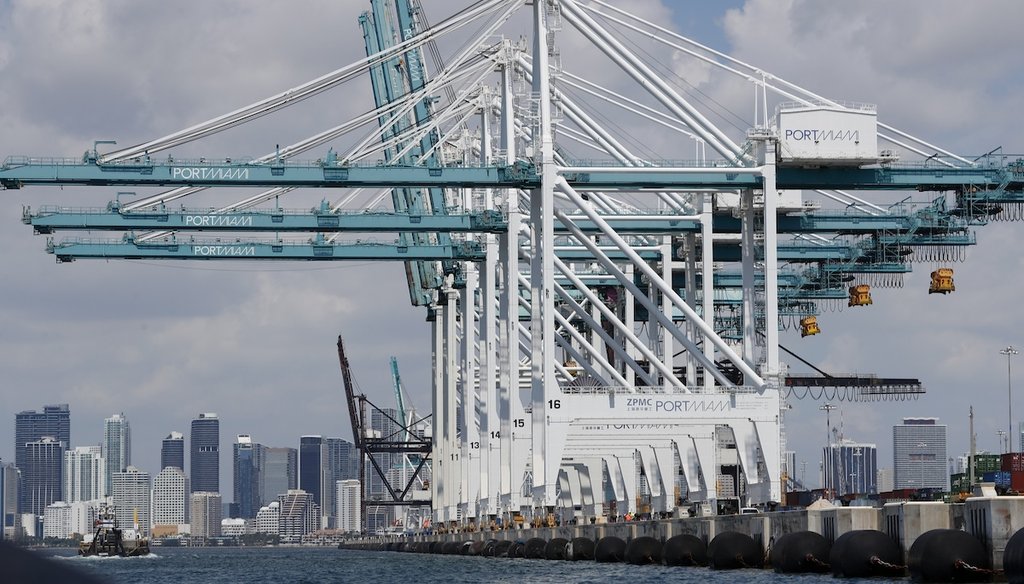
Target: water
[326,565]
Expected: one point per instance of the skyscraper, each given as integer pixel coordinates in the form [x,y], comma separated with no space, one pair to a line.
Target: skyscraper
[312,460]
[30,426]
[130,493]
[205,454]
[342,464]
[84,474]
[851,468]
[919,454]
[10,487]
[247,476]
[172,451]
[170,497]
[42,479]
[278,472]
[117,447]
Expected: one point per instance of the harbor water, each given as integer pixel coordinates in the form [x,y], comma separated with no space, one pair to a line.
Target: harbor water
[327,565]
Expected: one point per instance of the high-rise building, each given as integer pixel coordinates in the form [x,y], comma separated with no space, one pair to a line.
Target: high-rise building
[172,451]
[312,463]
[170,498]
[268,519]
[10,487]
[3,498]
[130,493]
[83,516]
[84,474]
[117,447]
[789,466]
[57,520]
[349,515]
[42,478]
[278,472]
[299,515]
[247,476]
[31,426]
[205,454]
[342,464]
[919,454]
[206,514]
[851,468]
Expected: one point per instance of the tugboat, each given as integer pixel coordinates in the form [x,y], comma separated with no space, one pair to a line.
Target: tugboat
[109,540]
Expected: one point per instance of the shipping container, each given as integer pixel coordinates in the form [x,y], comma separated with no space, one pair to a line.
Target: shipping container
[984,463]
[959,483]
[1013,461]
[1017,481]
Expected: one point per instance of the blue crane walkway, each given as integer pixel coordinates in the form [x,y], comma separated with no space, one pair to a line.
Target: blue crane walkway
[19,171]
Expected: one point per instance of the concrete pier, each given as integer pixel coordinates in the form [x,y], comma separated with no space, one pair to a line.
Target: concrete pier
[992,520]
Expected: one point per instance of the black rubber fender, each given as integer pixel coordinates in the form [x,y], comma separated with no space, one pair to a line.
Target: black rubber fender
[644,550]
[579,548]
[534,548]
[517,549]
[801,552]
[555,549]
[864,553]
[732,550]
[1013,558]
[948,555]
[685,550]
[610,549]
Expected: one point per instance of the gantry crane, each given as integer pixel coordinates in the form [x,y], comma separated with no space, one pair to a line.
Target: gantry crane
[567,265]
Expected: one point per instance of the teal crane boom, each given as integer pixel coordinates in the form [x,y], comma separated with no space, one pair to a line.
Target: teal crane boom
[19,171]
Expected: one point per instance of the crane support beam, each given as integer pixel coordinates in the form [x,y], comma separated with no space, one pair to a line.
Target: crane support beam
[51,219]
[19,171]
[71,250]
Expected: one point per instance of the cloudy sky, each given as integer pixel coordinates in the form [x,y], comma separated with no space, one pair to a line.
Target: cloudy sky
[255,342]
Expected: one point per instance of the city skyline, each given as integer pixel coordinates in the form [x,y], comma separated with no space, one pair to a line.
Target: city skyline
[332,452]
[277,460]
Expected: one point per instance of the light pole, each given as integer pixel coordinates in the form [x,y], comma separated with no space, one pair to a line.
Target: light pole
[826,470]
[1009,352]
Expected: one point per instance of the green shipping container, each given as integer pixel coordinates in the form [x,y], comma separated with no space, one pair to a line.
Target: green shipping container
[959,483]
[984,463]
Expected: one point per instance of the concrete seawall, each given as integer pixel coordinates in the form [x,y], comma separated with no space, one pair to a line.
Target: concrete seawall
[992,520]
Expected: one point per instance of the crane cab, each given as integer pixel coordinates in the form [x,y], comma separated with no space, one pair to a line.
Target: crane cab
[942,281]
[809,326]
[860,295]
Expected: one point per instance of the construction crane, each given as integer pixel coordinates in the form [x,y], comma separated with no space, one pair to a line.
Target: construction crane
[403,442]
